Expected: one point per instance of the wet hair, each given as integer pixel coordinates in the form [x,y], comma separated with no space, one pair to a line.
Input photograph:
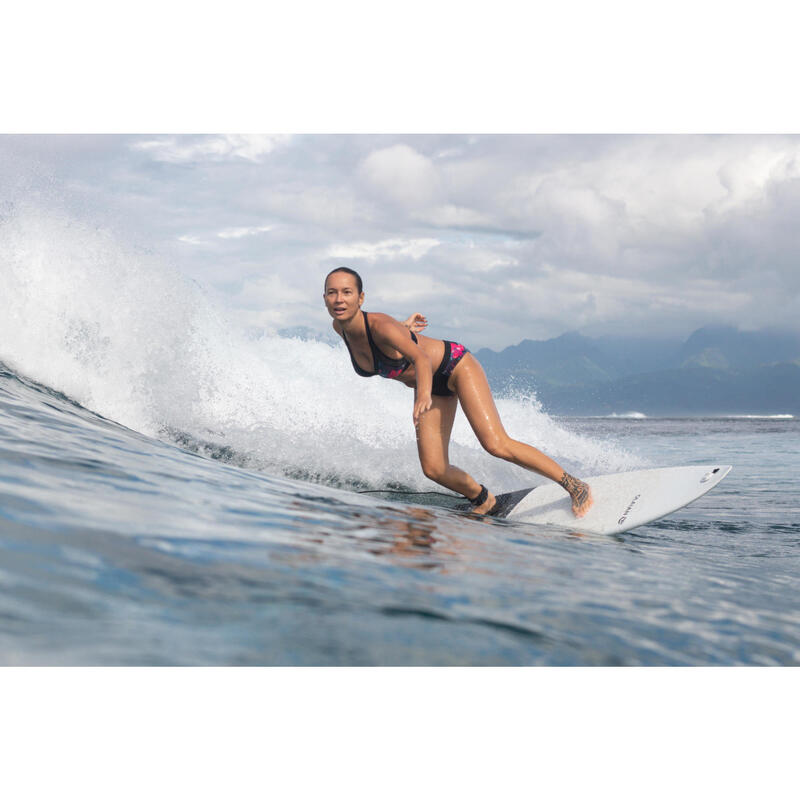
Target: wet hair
[349,272]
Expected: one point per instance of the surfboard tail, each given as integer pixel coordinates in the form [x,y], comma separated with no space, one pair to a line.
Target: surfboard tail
[506,502]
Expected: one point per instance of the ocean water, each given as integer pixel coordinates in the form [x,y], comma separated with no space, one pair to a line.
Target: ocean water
[174,490]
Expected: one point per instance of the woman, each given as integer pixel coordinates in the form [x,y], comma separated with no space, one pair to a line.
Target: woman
[380,345]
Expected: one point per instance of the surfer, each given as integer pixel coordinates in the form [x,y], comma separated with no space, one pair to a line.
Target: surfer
[380,345]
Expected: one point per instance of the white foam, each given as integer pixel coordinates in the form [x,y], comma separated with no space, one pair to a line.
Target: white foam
[628,415]
[130,338]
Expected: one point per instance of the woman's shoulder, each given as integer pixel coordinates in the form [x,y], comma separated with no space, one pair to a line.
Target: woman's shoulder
[390,330]
[383,326]
[378,320]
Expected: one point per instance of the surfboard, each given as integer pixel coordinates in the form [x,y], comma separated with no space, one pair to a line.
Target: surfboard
[622,501]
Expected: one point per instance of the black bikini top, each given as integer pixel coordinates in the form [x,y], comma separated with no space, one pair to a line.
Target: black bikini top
[384,366]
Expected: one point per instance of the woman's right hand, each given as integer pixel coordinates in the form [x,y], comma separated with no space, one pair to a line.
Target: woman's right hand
[422,403]
[416,323]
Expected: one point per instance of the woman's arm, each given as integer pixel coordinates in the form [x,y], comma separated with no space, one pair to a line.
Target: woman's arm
[389,332]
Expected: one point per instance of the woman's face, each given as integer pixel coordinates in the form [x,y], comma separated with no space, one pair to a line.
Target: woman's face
[342,298]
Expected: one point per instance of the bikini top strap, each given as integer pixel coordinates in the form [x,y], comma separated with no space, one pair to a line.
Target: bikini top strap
[373,349]
[358,369]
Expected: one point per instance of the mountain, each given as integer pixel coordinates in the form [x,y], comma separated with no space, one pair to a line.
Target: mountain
[692,390]
[566,360]
[726,347]
[642,354]
[715,370]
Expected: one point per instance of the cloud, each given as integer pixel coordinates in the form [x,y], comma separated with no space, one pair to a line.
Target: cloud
[652,194]
[595,299]
[239,233]
[402,176]
[405,288]
[388,248]
[225,233]
[310,205]
[453,216]
[182,150]
[496,237]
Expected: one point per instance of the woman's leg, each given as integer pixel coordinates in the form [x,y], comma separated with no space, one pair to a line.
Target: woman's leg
[470,384]
[433,440]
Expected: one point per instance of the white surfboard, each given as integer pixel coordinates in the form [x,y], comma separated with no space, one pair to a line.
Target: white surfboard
[621,501]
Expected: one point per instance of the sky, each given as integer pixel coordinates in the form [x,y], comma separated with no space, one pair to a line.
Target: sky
[495,238]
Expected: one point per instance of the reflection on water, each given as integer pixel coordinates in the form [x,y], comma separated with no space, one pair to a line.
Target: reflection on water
[119,549]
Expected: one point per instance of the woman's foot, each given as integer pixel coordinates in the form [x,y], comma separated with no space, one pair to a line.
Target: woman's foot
[486,507]
[580,493]
[484,503]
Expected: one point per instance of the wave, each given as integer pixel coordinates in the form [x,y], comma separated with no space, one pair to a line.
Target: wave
[126,335]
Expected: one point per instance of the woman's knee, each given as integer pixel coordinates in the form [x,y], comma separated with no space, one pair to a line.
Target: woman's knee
[434,470]
[499,447]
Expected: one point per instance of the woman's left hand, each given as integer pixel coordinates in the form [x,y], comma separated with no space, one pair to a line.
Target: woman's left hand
[422,404]
[416,323]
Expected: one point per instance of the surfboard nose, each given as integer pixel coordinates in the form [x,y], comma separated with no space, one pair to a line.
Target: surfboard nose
[717,473]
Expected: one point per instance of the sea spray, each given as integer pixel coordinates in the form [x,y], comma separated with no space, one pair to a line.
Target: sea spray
[129,337]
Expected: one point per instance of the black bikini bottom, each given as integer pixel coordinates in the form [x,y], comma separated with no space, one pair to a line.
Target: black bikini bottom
[453,353]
